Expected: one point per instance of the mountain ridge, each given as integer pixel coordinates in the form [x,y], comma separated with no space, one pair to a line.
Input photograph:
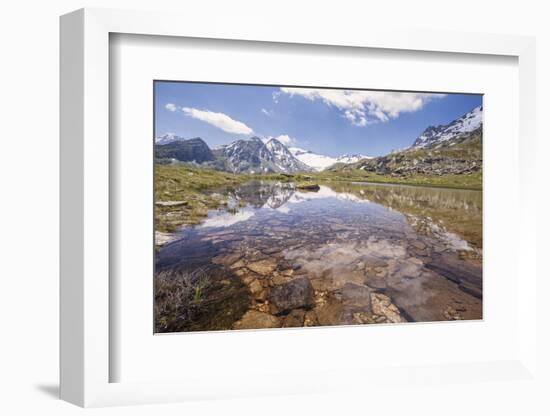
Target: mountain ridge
[251,155]
[452,149]
[436,135]
[185,150]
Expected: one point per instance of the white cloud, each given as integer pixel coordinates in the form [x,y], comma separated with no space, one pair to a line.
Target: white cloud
[361,108]
[357,118]
[171,107]
[267,112]
[219,120]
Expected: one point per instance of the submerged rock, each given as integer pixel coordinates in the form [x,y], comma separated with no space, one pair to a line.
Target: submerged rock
[163,238]
[295,294]
[256,289]
[471,290]
[310,319]
[467,275]
[237,265]
[263,267]
[349,305]
[257,320]
[272,250]
[330,313]
[356,296]
[382,305]
[280,279]
[227,259]
[294,319]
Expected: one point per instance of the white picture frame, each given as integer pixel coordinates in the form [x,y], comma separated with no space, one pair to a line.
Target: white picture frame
[85,211]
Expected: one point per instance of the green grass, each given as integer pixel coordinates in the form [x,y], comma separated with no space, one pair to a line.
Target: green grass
[199,187]
[194,185]
[466,181]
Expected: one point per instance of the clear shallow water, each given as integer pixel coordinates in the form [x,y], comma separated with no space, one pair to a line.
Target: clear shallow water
[371,253]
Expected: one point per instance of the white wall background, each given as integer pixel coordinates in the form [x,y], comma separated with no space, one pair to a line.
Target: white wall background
[29,206]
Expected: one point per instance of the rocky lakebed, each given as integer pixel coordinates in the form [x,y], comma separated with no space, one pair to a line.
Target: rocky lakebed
[341,254]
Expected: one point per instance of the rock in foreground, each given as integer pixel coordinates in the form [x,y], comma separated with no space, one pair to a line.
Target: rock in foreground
[257,320]
[295,294]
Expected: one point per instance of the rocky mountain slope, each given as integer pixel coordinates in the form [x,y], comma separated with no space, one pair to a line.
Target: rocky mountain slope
[254,156]
[455,149]
[250,156]
[439,135]
[284,159]
[190,150]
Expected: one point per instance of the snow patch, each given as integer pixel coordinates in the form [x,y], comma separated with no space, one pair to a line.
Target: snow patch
[321,162]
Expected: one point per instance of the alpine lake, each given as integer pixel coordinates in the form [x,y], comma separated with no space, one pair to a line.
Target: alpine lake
[337,254]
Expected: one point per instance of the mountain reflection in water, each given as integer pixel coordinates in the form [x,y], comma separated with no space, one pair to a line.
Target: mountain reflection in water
[362,253]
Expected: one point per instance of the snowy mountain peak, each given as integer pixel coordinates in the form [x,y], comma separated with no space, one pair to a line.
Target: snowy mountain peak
[321,162]
[168,138]
[351,158]
[435,135]
[284,159]
[255,155]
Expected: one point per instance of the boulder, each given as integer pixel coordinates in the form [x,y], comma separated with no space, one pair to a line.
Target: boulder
[295,294]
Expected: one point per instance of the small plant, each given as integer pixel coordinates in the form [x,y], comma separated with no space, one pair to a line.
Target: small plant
[178,296]
[198,292]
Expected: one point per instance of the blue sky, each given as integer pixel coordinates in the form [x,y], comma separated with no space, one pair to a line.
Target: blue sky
[325,121]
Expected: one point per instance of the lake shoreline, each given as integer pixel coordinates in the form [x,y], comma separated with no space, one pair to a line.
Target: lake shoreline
[195,190]
[465,188]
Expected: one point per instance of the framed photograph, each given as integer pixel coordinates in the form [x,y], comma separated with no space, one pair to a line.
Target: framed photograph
[228,198]
[380,223]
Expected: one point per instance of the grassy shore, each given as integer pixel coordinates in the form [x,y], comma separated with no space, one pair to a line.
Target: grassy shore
[471,181]
[185,193]
[191,186]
